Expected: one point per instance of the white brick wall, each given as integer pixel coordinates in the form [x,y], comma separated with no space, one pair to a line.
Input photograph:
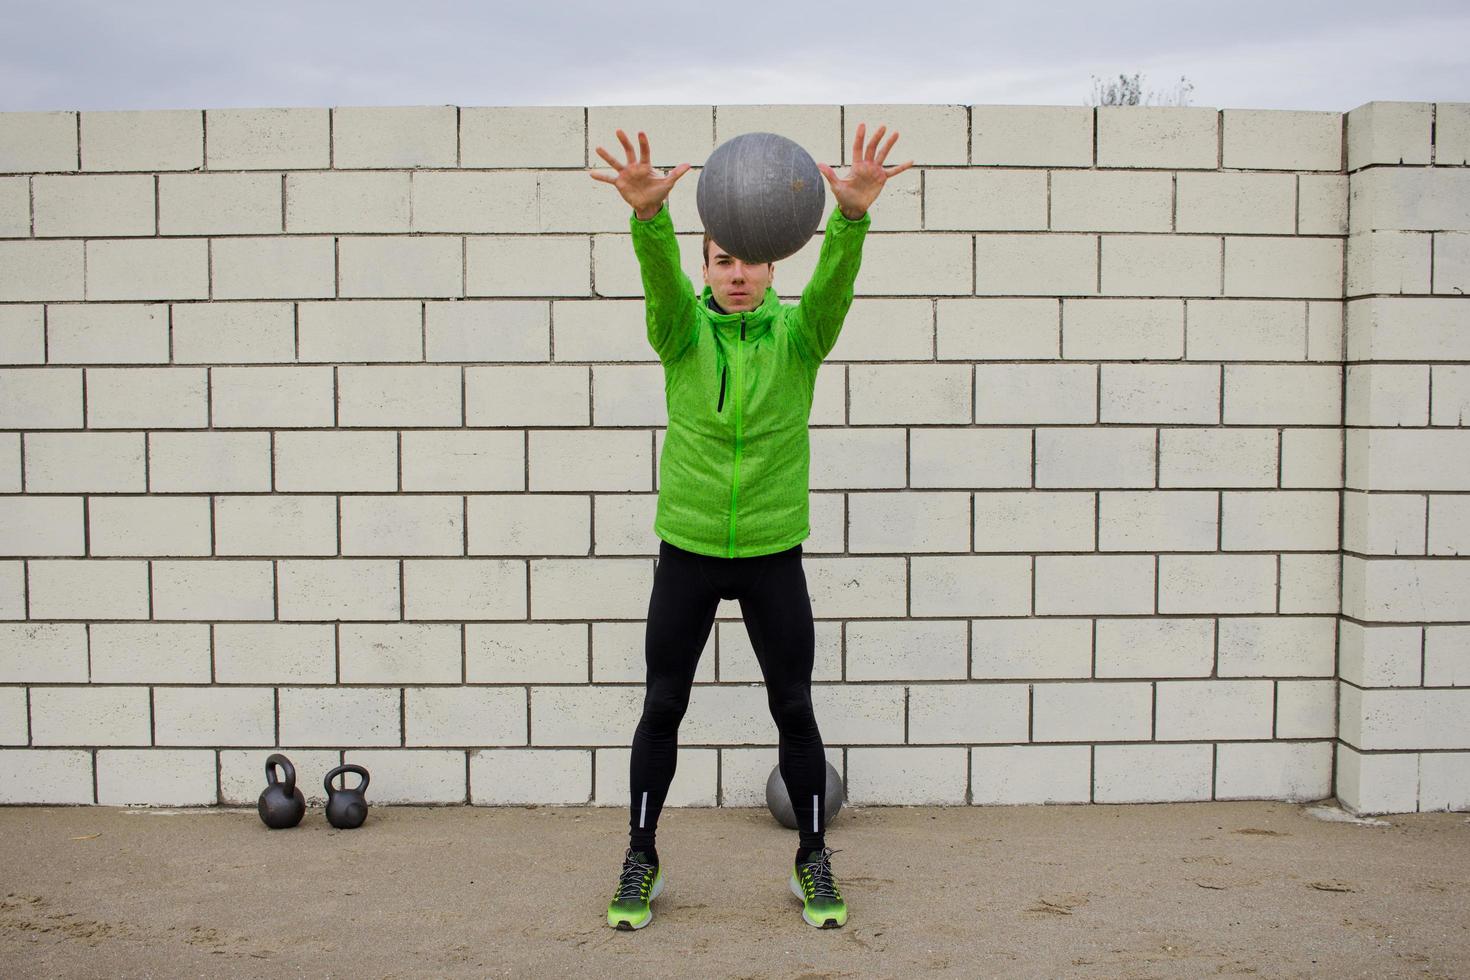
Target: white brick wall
[1139,472]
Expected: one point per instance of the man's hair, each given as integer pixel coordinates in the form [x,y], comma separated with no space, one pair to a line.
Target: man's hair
[707,240]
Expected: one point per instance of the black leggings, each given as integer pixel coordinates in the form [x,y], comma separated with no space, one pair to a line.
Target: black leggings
[687,589]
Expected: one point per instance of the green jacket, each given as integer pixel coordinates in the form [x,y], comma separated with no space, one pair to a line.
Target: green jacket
[733,475]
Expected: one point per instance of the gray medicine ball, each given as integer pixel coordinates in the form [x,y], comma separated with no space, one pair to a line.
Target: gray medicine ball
[778,801]
[761,196]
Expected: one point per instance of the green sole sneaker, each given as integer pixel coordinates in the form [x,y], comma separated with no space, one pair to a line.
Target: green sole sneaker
[638,885]
[821,903]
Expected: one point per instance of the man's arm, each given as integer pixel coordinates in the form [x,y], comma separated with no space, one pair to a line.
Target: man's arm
[828,296]
[668,294]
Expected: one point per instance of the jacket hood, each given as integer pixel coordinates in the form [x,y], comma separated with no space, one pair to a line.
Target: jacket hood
[757,321]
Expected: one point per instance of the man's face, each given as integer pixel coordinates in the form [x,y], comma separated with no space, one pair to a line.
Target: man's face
[738,286]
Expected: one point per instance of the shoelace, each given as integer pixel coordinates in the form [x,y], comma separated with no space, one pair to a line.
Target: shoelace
[821,871]
[630,882]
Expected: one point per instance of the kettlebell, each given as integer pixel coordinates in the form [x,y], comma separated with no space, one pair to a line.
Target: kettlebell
[281,805]
[347,808]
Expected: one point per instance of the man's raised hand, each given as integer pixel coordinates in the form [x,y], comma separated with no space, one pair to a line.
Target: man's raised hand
[867,175]
[643,187]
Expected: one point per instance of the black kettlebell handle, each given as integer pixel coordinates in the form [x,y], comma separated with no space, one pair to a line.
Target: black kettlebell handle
[276,759]
[359,788]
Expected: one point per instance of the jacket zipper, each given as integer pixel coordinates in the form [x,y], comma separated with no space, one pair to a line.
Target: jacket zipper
[735,479]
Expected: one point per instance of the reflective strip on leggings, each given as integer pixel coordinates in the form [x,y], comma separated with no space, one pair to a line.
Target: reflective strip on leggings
[643,810]
[814,813]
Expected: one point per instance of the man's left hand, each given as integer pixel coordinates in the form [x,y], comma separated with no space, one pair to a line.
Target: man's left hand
[865,179]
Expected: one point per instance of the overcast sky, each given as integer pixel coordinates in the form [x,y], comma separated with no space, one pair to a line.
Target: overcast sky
[149,54]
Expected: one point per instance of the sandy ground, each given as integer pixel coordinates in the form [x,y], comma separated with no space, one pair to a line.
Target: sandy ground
[1164,890]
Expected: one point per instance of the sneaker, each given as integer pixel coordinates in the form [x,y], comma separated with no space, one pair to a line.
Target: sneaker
[638,885]
[812,882]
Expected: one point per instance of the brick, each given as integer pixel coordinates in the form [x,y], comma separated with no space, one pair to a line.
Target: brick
[337,589]
[43,652]
[1160,265]
[464,589]
[144,526]
[46,776]
[22,335]
[907,775]
[941,457]
[1410,199]
[336,461]
[388,266]
[409,395]
[1245,330]
[1214,709]
[1388,132]
[1099,200]
[1155,647]
[1381,656]
[1034,136]
[1306,709]
[1391,262]
[587,460]
[910,393]
[1443,781]
[15,207]
[1021,328]
[41,398]
[205,333]
[1032,393]
[1095,457]
[1279,520]
[82,206]
[928,134]
[82,462]
[333,201]
[523,136]
[529,524]
[402,525]
[241,777]
[601,330]
[1033,520]
[1030,774]
[1406,329]
[906,650]
[209,462]
[361,330]
[676,134]
[150,653]
[1160,393]
[110,333]
[1404,718]
[1449,525]
[1257,266]
[1276,646]
[1018,648]
[908,521]
[968,713]
[871,587]
[542,394]
[271,396]
[356,716]
[1447,656]
[219,204]
[12,583]
[851,459]
[695,781]
[38,142]
[397,136]
[211,716]
[273,268]
[1324,331]
[1380,782]
[624,522]
[1311,457]
[1151,773]
[530,653]
[1094,584]
[1234,457]
[464,460]
[399,653]
[414,776]
[528,266]
[1047,264]
[450,201]
[219,589]
[1322,204]
[1278,139]
[1157,520]
[148,269]
[1391,590]
[596,715]
[1089,711]
[521,776]
[155,139]
[1452,133]
[1451,268]
[1408,459]
[1310,583]
[1387,395]
[156,777]
[910,264]
[35,271]
[985,200]
[88,589]
[1103,329]
[590,588]
[1450,398]
[84,716]
[459,715]
[488,330]
[1237,203]
[629,395]
[1159,136]
[147,397]
[1296,771]
[274,653]
[1217,583]
[14,719]
[268,139]
[568,201]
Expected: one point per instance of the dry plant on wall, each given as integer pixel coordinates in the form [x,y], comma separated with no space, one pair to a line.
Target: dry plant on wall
[1127,89]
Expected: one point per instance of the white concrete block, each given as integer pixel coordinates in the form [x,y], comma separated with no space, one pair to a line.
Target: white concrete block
[1229,457]
[1033,136]
[219,204]
[112,205]
[1155,647]
[963,199]
[216,589]
[420,524]
[1214,710]
[464,460]
[907,775]
[336,201]
[275,653]
[150,653]
[268,139]
[83,462]
[1158,520]
[464,588]
[907,522]
[539,776]
[1276,646]
[1306,709]
[337,589]
[390,265]
[1151,773]
[86,588]
[343,716]
[968,713]
[1091,457]
[540,266]
[1020,648]
[1296,771]
[156,777]
[1161,265]
[45,776]
[410,776]
[148,268]
[38,141]
[1091,711]
[1035,520]
[299,267]
[154,139]
[402,653]
[217,331]
[1094,584]
[530,653]
[113,333]
[1030,774]
[210,716]
[465,715]
[34,271]
[147,397]
[1280,139]
[85,716]
[1157,136]
[396,136]
[1044,264]
[523,136]
[142,526]
[1245,330]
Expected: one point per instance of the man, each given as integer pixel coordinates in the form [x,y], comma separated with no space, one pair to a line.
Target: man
[739,368]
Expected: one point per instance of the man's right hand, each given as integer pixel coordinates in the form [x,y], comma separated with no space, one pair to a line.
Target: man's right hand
[641,186]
